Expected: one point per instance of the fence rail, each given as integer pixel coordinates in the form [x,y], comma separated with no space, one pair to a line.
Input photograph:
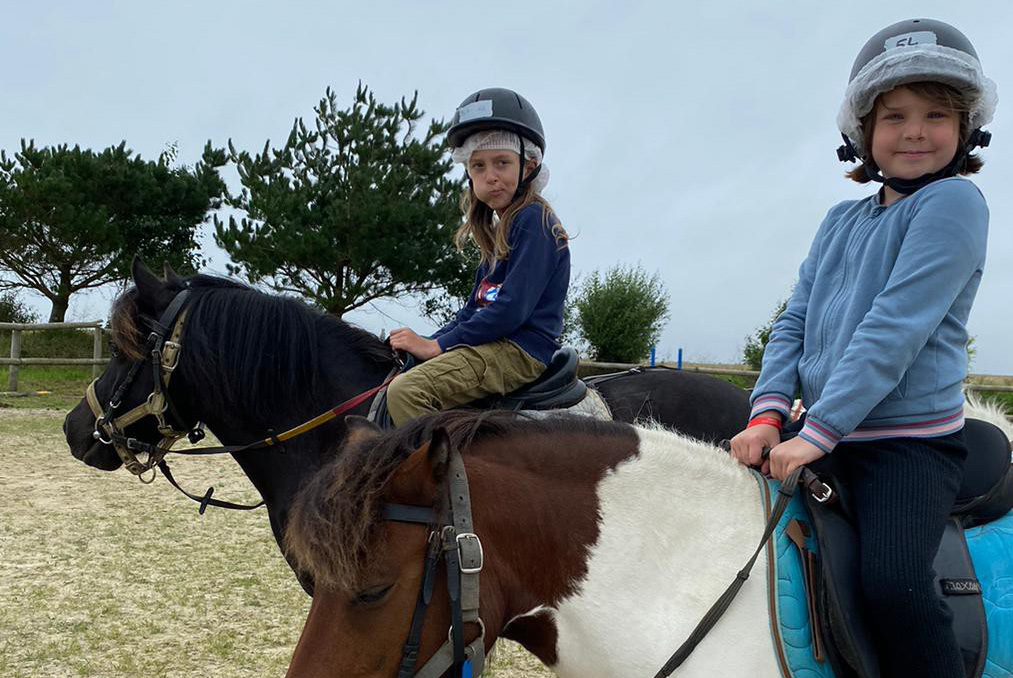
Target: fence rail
[13,363]
[971,385]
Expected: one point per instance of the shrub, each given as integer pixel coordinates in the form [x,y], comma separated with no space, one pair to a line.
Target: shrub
[621,314]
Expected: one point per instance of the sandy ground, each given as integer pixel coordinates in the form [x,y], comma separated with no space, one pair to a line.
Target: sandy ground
[103,577]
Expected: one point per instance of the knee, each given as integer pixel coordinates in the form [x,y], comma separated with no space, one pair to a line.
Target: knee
[406,398]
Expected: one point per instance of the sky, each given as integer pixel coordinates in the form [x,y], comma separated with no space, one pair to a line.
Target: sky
[696,140]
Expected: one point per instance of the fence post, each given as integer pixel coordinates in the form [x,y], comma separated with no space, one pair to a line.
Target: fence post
[679,360]
[12,371]
[97,352]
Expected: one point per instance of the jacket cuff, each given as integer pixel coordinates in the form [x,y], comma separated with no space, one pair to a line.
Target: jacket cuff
[771,401]
[820,434]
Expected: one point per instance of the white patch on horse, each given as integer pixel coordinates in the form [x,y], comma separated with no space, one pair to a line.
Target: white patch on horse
[676,524]
[536,610]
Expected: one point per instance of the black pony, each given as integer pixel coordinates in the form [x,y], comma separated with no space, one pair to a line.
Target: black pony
[253,365]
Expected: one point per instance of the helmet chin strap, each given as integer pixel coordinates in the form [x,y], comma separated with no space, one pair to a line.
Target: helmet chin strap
[978,137]
[522,182]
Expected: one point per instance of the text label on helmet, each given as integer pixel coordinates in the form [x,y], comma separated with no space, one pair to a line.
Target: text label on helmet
[475,110]
[911,39]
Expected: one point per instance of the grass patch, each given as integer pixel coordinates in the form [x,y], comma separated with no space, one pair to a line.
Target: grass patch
[65,384]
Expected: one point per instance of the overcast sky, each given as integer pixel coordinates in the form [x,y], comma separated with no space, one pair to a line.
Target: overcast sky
[696,139]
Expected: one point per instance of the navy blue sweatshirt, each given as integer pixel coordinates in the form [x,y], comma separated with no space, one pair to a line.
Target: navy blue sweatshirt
[522,297]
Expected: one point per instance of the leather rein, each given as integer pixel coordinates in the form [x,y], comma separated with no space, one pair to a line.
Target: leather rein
[163,349]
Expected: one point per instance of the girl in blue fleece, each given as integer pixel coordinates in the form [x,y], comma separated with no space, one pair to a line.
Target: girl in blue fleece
[874,334]
[509,328]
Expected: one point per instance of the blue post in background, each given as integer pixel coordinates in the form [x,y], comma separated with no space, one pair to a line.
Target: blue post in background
[678,363]
[654,350]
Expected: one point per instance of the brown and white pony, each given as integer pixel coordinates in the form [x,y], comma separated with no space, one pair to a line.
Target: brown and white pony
[604,545]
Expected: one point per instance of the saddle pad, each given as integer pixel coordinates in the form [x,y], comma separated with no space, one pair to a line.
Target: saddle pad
[991,549]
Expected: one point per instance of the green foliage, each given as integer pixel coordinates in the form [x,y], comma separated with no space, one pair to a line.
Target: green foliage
[752,353]
[621,314]
[72,219]
[13,310]
[356,208]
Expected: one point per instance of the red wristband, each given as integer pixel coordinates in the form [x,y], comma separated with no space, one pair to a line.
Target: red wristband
[764,419]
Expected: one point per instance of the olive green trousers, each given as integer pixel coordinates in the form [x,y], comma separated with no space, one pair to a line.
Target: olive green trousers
[460,375]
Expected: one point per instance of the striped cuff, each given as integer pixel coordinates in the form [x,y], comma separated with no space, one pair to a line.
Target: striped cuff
[771,401]
[820,434]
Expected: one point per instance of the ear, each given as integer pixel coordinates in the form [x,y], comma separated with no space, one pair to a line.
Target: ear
[360,430]
[149,286]
[171,277]
[418,479]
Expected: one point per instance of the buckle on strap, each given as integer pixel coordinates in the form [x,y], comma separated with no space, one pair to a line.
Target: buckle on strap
[170,355]
[472,557]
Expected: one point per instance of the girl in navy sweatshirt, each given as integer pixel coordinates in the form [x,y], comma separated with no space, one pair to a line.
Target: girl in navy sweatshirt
[874,335]
[509,328]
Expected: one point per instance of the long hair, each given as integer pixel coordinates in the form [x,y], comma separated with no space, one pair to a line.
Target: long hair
[949,98]
[492,234]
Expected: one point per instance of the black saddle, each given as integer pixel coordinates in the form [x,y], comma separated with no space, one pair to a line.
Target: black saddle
[556,388]
[986,494]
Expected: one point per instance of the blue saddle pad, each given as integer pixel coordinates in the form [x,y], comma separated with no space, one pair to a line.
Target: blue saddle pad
[991,548]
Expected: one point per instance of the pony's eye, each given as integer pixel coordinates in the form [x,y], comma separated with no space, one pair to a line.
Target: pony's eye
[373,594]
[114,350]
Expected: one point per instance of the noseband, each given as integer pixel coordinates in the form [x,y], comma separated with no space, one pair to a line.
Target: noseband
[451,537]
[163,354]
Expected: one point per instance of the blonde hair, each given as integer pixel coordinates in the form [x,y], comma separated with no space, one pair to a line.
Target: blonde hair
[493,237]
[941,95]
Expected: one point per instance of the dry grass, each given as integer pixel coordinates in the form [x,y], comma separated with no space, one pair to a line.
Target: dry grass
[103,577]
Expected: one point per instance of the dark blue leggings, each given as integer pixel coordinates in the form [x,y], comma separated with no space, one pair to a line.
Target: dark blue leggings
[903,490]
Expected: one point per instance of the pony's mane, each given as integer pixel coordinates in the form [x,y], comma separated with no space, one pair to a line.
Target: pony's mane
[273,341]
[333,527]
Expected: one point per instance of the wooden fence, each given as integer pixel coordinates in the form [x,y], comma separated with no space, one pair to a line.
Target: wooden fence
[15,361]
[974,382]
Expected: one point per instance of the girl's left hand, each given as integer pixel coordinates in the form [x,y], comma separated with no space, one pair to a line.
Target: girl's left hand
[406,339]
[791,454]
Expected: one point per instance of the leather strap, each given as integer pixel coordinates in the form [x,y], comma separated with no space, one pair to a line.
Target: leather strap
[785,493]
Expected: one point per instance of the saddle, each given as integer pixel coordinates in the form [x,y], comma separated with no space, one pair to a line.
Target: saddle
[823,537]
[556,388]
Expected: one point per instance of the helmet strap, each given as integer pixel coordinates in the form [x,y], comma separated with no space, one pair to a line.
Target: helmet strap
[955,166]
[522,182]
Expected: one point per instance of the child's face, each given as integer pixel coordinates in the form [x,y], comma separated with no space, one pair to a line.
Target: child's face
[494,176]
[913,135]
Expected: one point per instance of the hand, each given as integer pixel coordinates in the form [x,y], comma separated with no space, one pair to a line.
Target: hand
[748,444]
[791,454]
[406,339]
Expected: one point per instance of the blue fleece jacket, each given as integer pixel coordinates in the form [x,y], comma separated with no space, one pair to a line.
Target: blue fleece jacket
[874,332]
[522,297]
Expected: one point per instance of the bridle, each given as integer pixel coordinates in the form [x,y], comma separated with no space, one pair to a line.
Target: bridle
[163,354]
[451,537]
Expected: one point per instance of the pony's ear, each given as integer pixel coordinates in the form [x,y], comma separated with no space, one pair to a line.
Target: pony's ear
[360,429]
[171,277]
[439,453]
[149,286]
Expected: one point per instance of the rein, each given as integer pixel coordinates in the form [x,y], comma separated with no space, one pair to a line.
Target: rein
[800,476]
[164,356]
[451,537]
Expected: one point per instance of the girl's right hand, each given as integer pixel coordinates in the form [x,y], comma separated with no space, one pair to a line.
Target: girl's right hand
[748,444]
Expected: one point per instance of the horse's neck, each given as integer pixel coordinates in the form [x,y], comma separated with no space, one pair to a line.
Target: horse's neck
[642,553]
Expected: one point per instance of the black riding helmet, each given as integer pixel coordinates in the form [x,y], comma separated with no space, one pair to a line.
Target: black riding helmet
[495,108]
[498,108]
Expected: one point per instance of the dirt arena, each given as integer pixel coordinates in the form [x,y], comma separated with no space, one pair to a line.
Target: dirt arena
[103,577]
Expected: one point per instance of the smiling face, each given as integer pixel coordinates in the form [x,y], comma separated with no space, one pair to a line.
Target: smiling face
[495,175]
[913,135]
